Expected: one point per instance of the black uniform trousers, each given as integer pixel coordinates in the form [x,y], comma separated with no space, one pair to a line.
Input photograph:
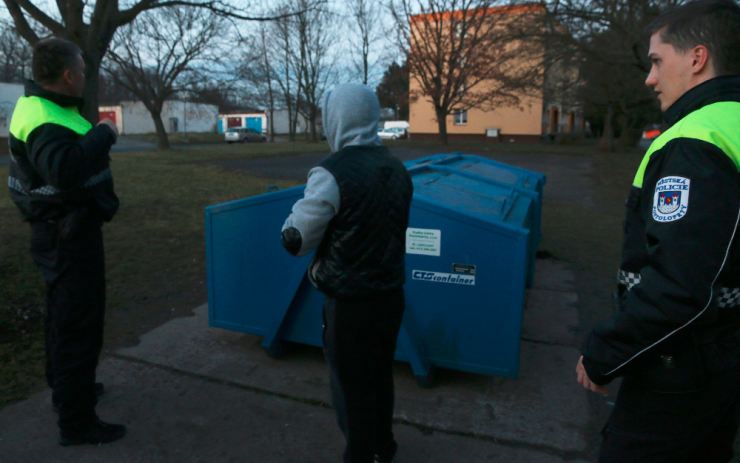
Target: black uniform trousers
[72,263]
[359,344]
[691,427]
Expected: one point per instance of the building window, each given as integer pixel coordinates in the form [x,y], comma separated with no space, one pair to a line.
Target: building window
[461,117]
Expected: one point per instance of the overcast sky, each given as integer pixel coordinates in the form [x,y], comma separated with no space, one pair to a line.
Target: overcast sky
[383,51]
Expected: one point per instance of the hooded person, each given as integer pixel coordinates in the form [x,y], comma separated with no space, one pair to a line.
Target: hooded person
[354,212]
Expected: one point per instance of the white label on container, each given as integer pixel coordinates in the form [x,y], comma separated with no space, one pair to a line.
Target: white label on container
[440,277]
[425,241]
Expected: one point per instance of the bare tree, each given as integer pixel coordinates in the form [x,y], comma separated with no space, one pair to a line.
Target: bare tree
[175,38]
[15,55]
[216,92]
[259,72]
[469,53]
[607,37]
[269,79]
[284,65]
[366,16]
[312,56]
[92,25]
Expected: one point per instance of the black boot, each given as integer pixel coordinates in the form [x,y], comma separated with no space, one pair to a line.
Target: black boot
[96,433]
[99,390]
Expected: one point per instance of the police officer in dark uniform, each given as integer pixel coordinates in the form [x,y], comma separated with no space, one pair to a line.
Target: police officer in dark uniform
[354,212]
[676,337]
[61,182]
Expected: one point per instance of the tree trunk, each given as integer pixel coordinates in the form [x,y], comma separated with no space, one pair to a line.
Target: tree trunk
[163,143]
[607,138]
[442,125]
[271,109]
[291,120]
[90,95]
[314,115]
[272,123]
[364,65]
[93,51]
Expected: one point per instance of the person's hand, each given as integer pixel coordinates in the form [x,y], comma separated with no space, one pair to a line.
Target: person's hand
[110,124]
[585,381]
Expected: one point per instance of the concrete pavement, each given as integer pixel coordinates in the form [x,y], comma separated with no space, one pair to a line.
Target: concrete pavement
[191,393]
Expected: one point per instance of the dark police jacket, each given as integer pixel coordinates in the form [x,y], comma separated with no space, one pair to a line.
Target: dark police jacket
[363,249]
[679,281]
[59,161]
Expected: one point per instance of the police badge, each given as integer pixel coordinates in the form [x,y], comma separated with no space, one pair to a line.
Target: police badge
[671,199]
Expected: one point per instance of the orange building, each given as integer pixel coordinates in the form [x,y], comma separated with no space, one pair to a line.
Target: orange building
[545,111]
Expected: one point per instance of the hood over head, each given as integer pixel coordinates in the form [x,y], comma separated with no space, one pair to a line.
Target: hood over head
[350,116]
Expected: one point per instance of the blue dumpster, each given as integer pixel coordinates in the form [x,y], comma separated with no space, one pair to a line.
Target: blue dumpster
[471,242]
[521,181]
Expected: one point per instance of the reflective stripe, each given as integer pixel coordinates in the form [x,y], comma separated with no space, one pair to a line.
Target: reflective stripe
[706,306]
[48,190]
[717,124]
[728,297]
[629,279]
[15,184]
[32,111]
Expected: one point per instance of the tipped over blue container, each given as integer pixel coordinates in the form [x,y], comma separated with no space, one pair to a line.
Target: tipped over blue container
[473,233]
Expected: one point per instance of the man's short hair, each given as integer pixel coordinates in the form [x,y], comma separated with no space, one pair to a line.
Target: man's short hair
[712,23]
[51,57]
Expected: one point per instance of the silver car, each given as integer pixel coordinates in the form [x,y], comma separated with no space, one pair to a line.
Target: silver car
[243,135]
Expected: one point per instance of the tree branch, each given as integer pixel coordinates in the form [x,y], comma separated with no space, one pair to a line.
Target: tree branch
[45,20]
[21,24]
[219,8]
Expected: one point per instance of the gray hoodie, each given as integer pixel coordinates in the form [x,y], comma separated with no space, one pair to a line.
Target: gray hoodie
[350,116]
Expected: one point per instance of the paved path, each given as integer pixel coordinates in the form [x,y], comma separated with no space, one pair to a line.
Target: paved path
[190,393]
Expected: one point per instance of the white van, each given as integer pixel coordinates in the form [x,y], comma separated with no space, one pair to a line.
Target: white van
[397,125]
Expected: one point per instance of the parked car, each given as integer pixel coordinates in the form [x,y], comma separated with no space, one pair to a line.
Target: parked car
[243,135]
[392,133]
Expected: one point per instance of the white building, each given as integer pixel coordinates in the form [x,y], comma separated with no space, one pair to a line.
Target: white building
[280,119]
[132,117]
[9,94]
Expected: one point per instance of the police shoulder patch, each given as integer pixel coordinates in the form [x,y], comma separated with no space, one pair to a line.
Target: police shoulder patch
[671,199]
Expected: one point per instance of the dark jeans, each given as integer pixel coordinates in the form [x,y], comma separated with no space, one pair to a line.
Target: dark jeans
[72,264]
[359,344]
[650,427]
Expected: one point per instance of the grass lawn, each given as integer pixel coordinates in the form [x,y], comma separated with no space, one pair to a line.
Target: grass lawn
[154,251]
[155,245]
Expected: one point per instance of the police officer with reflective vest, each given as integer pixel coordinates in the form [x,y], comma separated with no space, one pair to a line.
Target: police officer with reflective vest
[61,181]
[675,339]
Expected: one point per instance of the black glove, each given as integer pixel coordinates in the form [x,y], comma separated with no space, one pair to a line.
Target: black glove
[292,240]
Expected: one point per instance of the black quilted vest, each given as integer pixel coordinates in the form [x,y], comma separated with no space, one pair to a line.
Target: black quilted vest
[363,249]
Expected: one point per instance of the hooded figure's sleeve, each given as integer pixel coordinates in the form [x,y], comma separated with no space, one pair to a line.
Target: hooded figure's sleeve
[305,226]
